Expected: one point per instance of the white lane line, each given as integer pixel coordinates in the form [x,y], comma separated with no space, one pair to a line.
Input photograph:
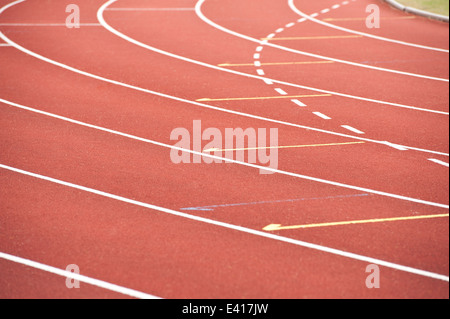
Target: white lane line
[438,162]
[257,56]
[325,11]
[279,30]
[200,14]
[260,48]
[268,82]
[224,159]
[114,82]
[5,45]
[257,63]
[299,103]
[260,72]
[80,278]
[289,25]
[317,247]
[305,16]
[280,91]
[150,9]
[348,127]
[325,117]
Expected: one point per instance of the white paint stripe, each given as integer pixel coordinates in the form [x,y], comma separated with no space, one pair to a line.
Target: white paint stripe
[325,11]
[257,64]
[127,38]
[366,66]
[289,25]
[305,16]
[298,102]
[439,162]
[398,147]
[256,56]
[279,30]
[335,6]
[259,49]
[322,115]
[281,91]
[114,82]
[150,9]
[80,278]
[348,127]
[319,180]
[314,15]
[260,72]
[268,82]
[329,250]
[4,45]
[301,20]
[270,36]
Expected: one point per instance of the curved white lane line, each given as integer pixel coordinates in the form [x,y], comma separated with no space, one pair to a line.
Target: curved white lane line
[296,10]
[78,277]
[102,21]
[246,230]
[200,14]
[100,78]
[224,159]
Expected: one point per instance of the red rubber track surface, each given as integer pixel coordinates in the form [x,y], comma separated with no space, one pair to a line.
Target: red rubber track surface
[175,257]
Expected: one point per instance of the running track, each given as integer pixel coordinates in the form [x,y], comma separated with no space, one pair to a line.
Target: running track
[86,175]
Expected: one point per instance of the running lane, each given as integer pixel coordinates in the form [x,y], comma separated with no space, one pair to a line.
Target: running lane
[141,171]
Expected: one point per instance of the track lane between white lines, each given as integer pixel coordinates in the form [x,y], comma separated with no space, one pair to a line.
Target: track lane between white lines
[227,160]
[260,76]
[81,278]
[200,14]
[330,25]
[262,234]
[114,82]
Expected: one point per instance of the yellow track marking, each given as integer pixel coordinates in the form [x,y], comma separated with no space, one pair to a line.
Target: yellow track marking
[362,19]
[279,147]
[276,63]
[274,227]
[315,38]
[261,98]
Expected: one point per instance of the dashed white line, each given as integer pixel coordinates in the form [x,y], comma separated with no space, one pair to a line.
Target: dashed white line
[439,162]
[289,25]
[396,146]
[350,128]
[298,102]
[281,91]
[325,117]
